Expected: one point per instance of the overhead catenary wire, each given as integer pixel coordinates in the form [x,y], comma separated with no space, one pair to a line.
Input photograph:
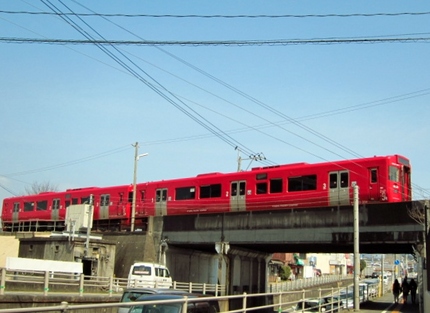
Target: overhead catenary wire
[71,14]
[158,88]
[212,16]
[243,94]
[224,43]
[299,124]
[68,163]
[291,120]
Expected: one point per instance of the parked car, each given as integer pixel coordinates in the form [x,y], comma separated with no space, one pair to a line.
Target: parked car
[374,275]
[132,294]
[149,275]
[203,306]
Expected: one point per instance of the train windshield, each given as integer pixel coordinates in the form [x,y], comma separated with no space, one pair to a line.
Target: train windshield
[394,174]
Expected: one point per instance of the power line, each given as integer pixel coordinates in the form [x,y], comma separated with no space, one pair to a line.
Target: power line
[108,43]
[242,16]
[197,43]
[157,87]
[297,123]
[69,163]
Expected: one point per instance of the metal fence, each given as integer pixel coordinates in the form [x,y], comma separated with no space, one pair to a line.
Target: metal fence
[48,282]
[280,302]
[305,283]
[284,295]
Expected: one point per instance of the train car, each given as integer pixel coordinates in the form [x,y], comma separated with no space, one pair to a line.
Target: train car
[299,185]
[47,210]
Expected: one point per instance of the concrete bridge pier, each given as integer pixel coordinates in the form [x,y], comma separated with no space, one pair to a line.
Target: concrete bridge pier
[239,270]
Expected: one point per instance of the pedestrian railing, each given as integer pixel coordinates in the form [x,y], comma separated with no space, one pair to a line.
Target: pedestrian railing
[280,302]
[48,282]
[304,283]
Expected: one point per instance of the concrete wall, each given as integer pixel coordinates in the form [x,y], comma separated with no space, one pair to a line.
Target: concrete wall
[131,248]
[192,265]
[9,246]
[98,259]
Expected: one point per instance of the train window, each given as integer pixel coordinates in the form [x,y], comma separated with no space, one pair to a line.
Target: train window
[142,195]
[104,200]
[42,205]
[394,174]
[333,180]
[55,204]
[373,175]
[234,190]
[242,188]
[210,191]
[261,176]
[74,200]
[67,203]
[28,206]
[261,188]
[16,207]
[130,197]
[185,193]
[161,195]
[302,183]
[85,200]
[403,161]
[276,185]
[344,180]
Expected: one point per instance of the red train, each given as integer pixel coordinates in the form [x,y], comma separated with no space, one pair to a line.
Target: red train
[299,185]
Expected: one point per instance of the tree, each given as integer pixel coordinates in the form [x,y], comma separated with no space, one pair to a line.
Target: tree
[417,213]
[363,265]
[37,188]
[285,272]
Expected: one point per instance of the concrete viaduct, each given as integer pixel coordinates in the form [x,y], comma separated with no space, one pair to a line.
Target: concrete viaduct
[235,248]
[384,228]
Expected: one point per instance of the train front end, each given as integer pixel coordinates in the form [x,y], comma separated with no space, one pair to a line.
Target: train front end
[399,187]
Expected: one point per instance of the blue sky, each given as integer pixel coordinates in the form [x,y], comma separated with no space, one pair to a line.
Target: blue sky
[70,114]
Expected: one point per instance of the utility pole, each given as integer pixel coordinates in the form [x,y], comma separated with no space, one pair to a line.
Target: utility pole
[89,223]
[133,204]
[356,249]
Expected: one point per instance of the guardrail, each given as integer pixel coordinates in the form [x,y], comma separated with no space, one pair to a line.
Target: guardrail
[281,302]
[50,281]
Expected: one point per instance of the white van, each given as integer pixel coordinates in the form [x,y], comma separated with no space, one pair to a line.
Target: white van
[149,275]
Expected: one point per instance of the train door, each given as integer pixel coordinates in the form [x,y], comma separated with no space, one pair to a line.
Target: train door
[161,202]
[15,213]
[339,188]
[238,196]
[405,181]
[373,185]
[104,206]
[55,212]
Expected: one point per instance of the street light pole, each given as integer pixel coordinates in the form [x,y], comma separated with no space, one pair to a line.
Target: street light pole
[133,204]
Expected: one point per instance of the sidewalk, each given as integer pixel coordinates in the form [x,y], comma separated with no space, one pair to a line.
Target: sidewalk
[386,304]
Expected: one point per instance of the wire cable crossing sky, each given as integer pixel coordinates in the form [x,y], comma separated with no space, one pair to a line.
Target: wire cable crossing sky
[296,82]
